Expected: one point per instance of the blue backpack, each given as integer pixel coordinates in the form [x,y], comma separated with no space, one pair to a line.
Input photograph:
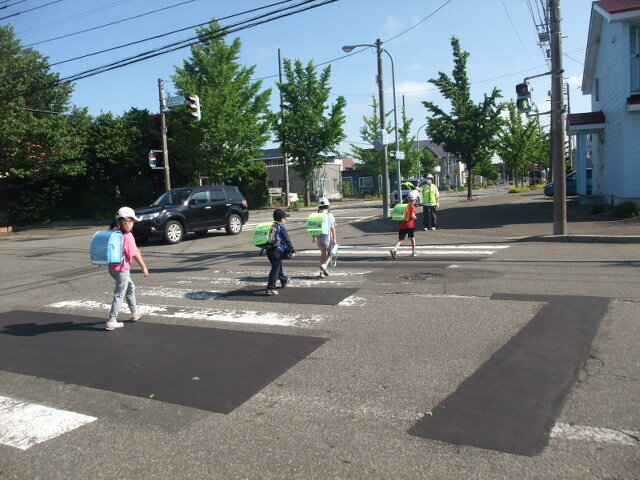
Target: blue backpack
[106,248]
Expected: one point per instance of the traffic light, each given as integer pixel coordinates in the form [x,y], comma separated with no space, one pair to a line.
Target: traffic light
[523,103]
[194,106]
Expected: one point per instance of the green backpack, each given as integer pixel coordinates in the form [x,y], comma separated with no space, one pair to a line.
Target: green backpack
[398,212]
[266,235]
[318,223]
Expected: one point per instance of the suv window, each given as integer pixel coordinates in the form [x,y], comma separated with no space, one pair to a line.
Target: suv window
[173,197]
[232,192]
[199,198]
[218,195]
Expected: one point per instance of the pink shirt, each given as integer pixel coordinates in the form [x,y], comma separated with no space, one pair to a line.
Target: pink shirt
[129,250]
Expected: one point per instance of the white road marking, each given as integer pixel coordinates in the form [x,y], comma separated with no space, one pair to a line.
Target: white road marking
[353,301]
[208,314]
[23,425]
[595,434]
[385,252]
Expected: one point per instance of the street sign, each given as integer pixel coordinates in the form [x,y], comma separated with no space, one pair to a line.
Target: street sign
[175,101]
[400,155]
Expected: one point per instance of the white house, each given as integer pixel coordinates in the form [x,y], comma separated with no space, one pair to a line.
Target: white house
[609,135]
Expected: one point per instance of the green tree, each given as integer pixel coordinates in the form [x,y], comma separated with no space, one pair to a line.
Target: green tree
[235,116]
[522,145]
[371,161]
[308,127]
[470,130]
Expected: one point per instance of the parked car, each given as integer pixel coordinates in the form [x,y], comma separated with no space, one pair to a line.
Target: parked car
[192,209]
[416,182]
[537,176]
[572,184]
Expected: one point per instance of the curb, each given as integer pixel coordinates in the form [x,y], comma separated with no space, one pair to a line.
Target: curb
[584,238]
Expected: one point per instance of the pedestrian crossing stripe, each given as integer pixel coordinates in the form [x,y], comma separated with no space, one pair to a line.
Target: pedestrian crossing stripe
[23,424]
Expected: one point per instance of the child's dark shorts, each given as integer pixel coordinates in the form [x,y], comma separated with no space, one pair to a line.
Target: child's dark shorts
[404,232]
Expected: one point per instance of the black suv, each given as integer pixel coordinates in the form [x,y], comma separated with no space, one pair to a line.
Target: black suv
[192,209]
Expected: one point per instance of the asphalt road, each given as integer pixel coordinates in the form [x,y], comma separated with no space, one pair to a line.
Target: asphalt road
[483,357]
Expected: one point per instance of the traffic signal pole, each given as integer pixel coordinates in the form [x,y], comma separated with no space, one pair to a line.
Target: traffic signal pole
[383,152]
[165,152]
[557,122]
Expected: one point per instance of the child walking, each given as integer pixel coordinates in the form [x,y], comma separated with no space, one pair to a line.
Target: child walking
[278,253]
[121,273]
[326,241]
[406,227]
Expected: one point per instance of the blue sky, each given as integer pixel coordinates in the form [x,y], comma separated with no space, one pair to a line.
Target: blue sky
[502,53]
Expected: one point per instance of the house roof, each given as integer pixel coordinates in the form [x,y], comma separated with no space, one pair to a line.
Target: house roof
[618,6]
[609,11]
[435,148]
[588,118]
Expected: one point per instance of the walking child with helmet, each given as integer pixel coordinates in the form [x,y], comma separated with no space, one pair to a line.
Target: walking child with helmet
[328,239]
[430,203]
[125,288]
[406,224]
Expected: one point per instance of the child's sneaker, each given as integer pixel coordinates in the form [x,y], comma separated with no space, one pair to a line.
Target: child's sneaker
[113,325]
[272,292]
[323,269]
[135,316]
[286,283]
[394,253]
[414,254]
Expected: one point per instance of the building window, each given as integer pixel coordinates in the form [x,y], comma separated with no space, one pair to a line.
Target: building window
[365,182]
[634,38]
[348,180]
[597,90]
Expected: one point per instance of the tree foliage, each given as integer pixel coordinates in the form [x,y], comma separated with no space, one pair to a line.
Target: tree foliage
[470,129]
[522,145]
[308,127]
[235,115]
[371,160]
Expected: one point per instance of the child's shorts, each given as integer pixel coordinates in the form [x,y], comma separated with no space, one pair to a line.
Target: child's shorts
[403,232]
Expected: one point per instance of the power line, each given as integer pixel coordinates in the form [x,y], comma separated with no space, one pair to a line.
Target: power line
[154,37]
[110,23]
[7,6]
[223,31]
[30,10]
[73,17]
[363,49]
[516,30]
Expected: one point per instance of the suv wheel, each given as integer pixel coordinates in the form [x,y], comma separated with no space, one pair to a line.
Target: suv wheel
[234,224]
[173,232]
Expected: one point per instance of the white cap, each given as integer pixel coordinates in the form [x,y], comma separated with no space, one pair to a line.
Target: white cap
[323,201]
[127,212]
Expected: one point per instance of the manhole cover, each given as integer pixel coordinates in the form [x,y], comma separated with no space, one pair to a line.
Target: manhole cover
[421,276]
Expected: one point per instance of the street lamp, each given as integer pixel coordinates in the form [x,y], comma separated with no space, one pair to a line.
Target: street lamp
[418,147]
[385,160]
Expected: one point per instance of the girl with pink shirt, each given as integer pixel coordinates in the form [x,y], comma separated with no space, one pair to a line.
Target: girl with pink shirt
[121,273]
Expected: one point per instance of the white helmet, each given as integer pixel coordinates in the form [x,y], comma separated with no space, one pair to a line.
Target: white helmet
[412,196]
[127,212]
[323,201]
[430,176]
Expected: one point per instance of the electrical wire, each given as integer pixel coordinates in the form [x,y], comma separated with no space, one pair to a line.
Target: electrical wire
[7,6]
[516,31]
[30,10]
[154,37]
[419,22]
[110,23]
[73,17]
[223,31]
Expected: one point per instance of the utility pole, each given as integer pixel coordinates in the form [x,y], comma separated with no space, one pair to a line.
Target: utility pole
[165,152]
[569,138]
[285,160]
[383,152]
[557,122]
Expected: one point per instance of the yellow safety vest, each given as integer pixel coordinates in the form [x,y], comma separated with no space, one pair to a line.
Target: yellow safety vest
[430,194]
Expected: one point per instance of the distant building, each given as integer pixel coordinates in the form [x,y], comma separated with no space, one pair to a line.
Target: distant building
[612,78]
[326,181]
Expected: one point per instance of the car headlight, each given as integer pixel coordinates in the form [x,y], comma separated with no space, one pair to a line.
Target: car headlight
[149,216]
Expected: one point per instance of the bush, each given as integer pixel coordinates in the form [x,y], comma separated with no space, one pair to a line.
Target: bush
[596,209]
[627,210]
[349,191]
[297,204]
